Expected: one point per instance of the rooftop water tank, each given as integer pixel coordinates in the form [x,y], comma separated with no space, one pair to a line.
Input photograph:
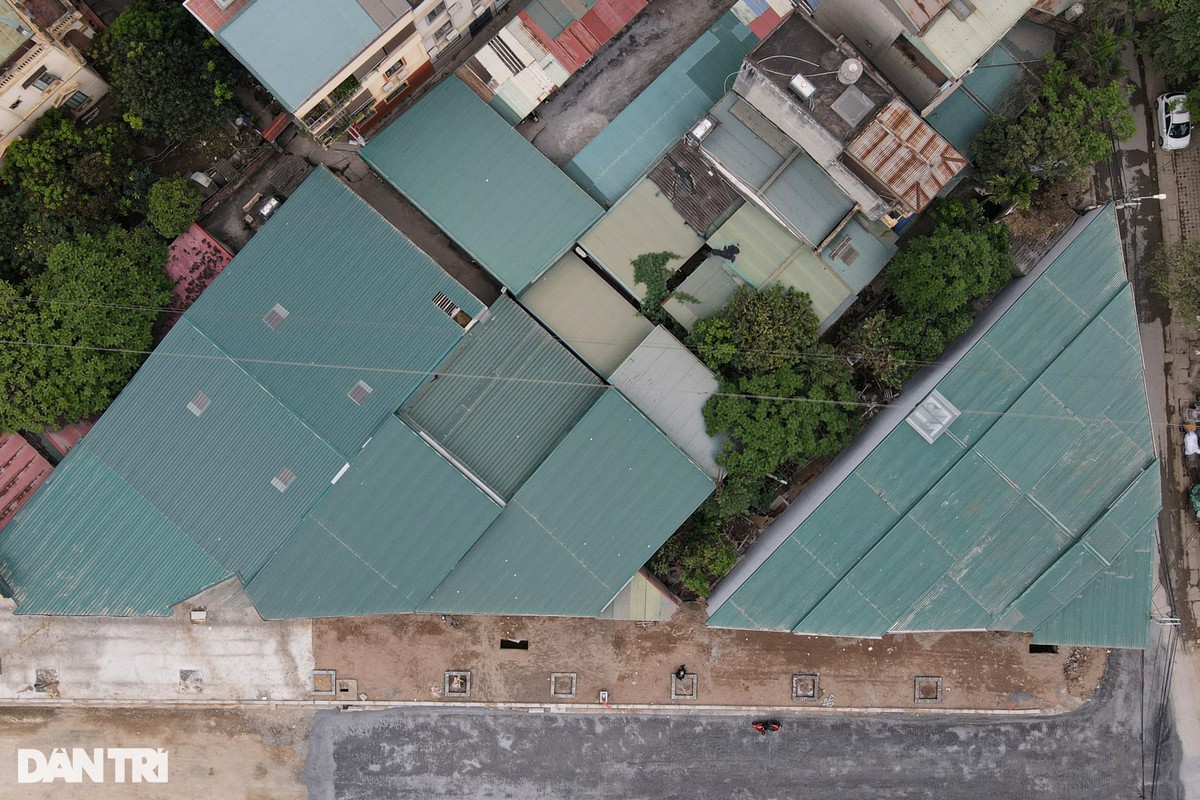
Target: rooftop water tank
[850,71]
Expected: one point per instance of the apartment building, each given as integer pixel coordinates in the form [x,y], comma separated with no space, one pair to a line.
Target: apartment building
[42,65]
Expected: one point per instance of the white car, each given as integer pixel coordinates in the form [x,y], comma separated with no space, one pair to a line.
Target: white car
[1174,121]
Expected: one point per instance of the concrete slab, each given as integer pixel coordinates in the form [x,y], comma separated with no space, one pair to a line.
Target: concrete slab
[236,654]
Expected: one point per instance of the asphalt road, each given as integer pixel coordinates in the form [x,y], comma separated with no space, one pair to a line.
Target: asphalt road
[1094,752]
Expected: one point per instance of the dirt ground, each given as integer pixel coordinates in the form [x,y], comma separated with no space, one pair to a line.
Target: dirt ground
[405,657]
[251,754]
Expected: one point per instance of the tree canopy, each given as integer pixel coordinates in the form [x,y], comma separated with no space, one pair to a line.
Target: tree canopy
[1061,135]
[172,78]
[1171,37]
[68,172]
[173,205]
[77,332]
[1175,270]
[757,331]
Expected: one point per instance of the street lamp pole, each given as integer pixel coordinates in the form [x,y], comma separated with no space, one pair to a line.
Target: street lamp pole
[1126,202]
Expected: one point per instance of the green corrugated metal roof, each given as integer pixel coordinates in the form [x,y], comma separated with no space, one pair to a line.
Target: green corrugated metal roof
[1045,469]
[295,46]
[712,284]
[482,183]
[634,139]
[102,527]
[856,254]
[593,513]
[381,539]
[211,474]
[504,399]
[277,399]
[359,297]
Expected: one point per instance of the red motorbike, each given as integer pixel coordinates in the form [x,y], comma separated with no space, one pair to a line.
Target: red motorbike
[765,726]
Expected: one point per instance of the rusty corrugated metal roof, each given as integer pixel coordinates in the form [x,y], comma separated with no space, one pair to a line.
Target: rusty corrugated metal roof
[906,155]
[921,12]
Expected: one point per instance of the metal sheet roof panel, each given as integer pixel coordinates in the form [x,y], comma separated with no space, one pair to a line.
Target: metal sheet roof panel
[381,539]
[505,398]
[296,46]
[596,510]
[587,313]
[120,558]
[482,183]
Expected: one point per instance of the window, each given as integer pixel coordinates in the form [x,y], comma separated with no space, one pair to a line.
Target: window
[360,392]
[275,316]
[438,10]
[45,81]
[198,403]
[394,68]
[284,479]
[15,103]
[75,101]
[399,90]
[444,30]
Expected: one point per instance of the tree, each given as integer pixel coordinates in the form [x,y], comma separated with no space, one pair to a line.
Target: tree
[792,414]
[1175,270]
[650,270]
[758,331]
[1172,39]
[79,332]
[173,205]
[964,259]
[696,555]
[72,173]
[1061,135]
[172,78]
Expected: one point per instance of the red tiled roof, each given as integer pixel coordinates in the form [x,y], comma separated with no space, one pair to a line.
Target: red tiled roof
[211,15]
[22,471]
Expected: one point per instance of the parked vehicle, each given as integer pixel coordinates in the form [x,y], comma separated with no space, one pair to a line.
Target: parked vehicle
[1174,121]
[765,726]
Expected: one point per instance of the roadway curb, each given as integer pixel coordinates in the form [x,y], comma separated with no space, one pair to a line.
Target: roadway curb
[535,708]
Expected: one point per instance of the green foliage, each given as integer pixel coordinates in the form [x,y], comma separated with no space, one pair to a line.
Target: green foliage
[1061,135]
[1175,270]
[935,281]
[173,205]
[63,170]
[1171,37]
[650,270]
[941,274]
[791,414]
[172,78]
[758,331]
[696,556]
[79,336]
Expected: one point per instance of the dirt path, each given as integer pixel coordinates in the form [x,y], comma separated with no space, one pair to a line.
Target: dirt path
[405,657]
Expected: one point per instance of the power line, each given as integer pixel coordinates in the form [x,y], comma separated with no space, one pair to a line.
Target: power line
[426,373]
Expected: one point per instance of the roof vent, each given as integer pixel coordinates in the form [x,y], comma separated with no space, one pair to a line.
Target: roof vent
[933,416]
[275,316]
[962,8]
[360,392]
[198,403]
[802,86]
[850,71]
[853,106]
[284,479]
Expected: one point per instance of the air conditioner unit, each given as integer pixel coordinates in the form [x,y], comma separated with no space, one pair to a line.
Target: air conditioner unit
[452,36]
[433,52]
[387,87]
[479,11]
